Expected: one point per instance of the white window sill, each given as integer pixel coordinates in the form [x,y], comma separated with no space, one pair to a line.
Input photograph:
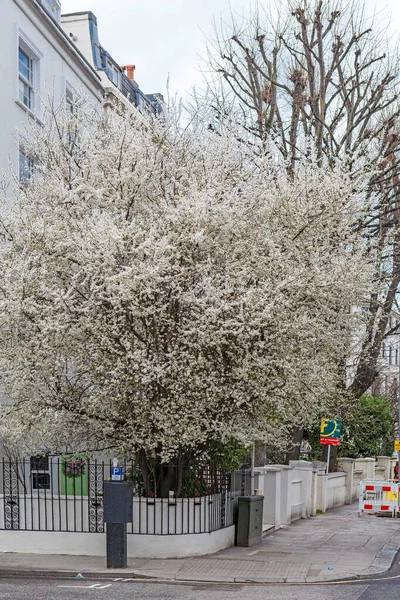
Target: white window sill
[29,112]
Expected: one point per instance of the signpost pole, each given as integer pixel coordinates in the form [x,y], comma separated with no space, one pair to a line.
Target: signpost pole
[326,477]
[330,433]
[328,459]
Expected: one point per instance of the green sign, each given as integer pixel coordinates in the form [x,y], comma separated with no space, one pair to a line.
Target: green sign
[330,432]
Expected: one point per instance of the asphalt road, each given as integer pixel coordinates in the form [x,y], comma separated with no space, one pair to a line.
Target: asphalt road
[13,588]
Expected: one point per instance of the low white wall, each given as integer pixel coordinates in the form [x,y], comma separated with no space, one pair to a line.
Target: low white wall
[52,542]
[94,544]
[304,489]
[180,546]
[336,490]
[301,489]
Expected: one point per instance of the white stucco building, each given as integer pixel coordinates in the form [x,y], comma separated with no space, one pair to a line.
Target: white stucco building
[39,61]
[45,59]
[117,80]
[45,56]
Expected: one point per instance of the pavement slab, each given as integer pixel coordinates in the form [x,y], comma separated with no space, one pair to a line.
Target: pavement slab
[333,546]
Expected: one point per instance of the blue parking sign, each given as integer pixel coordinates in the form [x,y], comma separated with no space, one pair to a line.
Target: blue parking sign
[117,473]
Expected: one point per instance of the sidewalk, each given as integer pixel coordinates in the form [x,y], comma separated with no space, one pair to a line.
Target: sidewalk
[336,545]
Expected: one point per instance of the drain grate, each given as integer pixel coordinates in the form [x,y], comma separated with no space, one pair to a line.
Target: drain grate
[217,588]
[273,554]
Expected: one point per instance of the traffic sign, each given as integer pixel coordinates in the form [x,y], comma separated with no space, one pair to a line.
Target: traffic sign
[117,473]
[330,432]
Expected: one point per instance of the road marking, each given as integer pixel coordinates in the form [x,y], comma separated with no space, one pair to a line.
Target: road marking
[96,586]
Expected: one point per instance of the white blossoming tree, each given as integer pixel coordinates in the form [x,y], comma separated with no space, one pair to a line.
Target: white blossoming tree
[162,289]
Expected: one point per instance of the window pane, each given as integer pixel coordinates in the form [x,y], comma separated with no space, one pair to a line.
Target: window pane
[25,174]
[25,94]
[39,463]
[41,481]
[25,66]
[69,97]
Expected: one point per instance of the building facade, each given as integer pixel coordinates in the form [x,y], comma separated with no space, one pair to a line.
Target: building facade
[50,59]
[39,63]
[47,57]
[117,80]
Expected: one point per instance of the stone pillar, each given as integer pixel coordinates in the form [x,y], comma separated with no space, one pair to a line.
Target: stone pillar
[305,470]
[321,491]
[270,486]
[347,466]
[286,482]
[318,467]
[384,461]
[367,465]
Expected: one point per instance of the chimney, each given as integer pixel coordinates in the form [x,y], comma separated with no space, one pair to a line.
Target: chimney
[130,71]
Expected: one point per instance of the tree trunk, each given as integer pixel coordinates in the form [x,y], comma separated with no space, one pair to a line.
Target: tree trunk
[260,454]
[297,438]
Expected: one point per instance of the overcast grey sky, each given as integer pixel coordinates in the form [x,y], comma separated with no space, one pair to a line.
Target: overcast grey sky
[166,37]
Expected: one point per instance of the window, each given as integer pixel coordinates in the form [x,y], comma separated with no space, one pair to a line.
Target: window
[397,356]
[112,72]
[390,355]
[28,73]
[40,472]
[70,100]
[383,350]
[26,80]
[25,167]
[72,110]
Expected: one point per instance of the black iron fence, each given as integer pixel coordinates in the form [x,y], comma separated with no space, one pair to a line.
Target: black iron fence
[65,493]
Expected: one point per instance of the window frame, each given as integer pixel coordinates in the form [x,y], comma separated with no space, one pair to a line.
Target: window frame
[34,85]
[70,99]
[25,178]
[27,91]
[113,71]
[40,467]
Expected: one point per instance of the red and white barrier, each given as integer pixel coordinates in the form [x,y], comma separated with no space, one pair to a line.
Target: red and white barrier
[379,496]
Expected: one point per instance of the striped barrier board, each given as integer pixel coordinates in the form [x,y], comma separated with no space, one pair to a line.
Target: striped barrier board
[379,496]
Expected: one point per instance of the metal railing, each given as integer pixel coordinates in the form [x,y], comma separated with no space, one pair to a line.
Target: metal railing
[65,493]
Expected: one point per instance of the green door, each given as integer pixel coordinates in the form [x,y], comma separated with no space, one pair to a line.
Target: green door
[73,475]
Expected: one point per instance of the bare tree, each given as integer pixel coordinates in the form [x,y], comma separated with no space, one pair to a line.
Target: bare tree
[322,74]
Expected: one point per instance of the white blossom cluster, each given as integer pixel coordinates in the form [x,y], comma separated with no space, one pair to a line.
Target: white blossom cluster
[162,288]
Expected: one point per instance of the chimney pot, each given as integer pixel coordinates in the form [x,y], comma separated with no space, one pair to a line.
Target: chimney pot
[130,71]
